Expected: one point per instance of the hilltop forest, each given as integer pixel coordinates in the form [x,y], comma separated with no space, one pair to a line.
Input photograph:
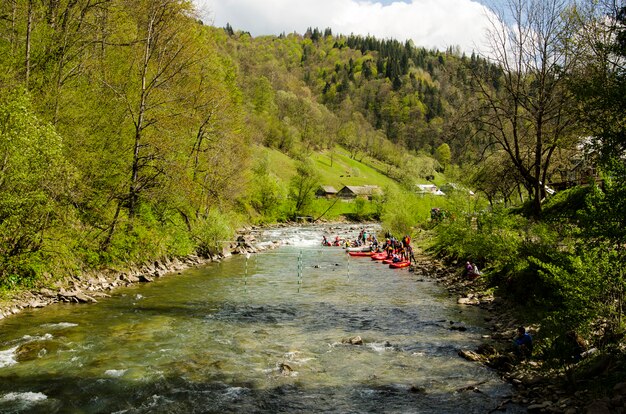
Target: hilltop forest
[130,130]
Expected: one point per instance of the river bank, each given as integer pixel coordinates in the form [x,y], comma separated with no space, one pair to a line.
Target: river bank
[91,286]
[573,389]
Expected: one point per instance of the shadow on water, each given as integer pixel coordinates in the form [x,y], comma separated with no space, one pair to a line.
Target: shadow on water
[217,395]
[311,317]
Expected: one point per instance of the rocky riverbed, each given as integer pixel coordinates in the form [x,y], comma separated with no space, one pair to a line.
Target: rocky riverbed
[574,389]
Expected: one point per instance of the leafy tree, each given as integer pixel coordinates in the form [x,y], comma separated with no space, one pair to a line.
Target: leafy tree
[443,155]
[600,85]
[529,116]
[266,193]
[303,185]
[599,82]
[34,182]
[496,177]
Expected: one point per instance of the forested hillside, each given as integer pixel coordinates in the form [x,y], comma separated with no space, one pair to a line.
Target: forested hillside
[130,130]
[122,134]
[374,90]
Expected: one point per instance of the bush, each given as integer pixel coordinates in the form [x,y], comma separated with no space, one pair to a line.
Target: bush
[211,231]
[493,238]
[403,212]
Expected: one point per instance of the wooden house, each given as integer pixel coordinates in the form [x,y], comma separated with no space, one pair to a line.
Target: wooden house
[326,191]
[353,191]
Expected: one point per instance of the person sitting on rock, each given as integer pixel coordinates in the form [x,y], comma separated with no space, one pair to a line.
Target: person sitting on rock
[471,270]
[577,345]
[523,344]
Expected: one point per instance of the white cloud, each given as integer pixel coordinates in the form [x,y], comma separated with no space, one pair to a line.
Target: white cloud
[430,23]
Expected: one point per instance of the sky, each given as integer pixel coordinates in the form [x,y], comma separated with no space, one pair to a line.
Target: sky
[429,23]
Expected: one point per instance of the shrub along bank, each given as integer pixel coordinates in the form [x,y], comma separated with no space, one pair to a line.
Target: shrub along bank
[562,274]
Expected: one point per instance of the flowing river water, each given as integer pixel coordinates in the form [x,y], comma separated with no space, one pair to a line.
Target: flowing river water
[256,335]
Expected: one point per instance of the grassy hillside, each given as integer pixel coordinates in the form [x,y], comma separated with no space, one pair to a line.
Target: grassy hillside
[397,207]
[338,169]
[335,168]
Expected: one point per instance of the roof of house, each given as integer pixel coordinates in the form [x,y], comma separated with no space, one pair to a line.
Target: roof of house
[427,187]
[361,189]
[328,189]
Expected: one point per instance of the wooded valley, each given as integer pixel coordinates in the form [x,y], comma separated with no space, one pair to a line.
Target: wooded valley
[130,130]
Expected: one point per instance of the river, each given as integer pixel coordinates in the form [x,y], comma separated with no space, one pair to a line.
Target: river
[255,335]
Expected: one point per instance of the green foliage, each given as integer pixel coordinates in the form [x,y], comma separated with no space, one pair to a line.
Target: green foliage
[403,212]
[603,217]
[266,194]
[359,207]
[567,276]
[602,222]
[443,155]
[492,238]
[148,236]
[34,177]
[210,233]
[152,122]
[302,186]
[565,204]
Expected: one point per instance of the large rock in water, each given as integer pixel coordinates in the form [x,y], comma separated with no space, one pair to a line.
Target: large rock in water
[468,301]
[355,340]
[33,350]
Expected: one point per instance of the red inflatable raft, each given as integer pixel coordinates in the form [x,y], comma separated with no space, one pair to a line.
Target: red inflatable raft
[379,256]
[398,265]
[360,254]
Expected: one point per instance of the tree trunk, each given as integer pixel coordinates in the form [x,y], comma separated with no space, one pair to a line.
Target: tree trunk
[107,241]
[538,164]
[29,28]
[139,123]
[13,26]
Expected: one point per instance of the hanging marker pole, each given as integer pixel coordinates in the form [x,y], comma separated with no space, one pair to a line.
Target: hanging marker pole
[299,270]
[245,275]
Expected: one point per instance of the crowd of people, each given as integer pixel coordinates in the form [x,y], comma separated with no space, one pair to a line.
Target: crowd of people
[396,249]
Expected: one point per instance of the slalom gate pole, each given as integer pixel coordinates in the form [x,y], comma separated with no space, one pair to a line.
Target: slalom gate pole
[245,274]
[300,265]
